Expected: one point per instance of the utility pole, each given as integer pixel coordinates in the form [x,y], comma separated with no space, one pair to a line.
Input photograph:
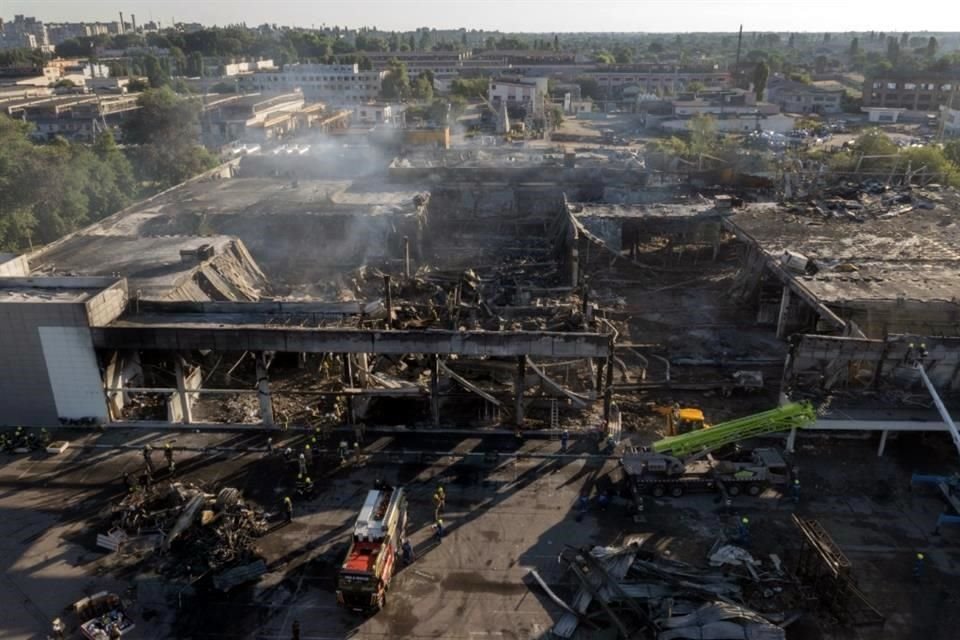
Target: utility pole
[736,66]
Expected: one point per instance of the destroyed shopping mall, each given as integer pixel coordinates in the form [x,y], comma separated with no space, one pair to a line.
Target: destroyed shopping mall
[576,348]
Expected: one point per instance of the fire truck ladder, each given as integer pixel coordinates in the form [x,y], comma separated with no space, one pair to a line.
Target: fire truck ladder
[696,444]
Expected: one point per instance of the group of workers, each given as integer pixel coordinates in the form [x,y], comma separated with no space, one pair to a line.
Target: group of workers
[23,439]
[149,468]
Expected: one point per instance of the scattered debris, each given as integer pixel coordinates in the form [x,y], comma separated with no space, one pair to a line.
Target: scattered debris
[200,534]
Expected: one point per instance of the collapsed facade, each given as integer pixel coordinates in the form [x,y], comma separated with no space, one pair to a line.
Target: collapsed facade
[477,288]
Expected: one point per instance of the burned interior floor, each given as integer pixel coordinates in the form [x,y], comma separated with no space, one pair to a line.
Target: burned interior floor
[461,316]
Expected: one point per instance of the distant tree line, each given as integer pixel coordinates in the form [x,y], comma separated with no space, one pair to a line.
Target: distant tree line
[50,189]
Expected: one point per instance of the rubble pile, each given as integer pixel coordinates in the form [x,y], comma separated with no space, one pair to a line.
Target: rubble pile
[634,589]
[867,200]
[198,533]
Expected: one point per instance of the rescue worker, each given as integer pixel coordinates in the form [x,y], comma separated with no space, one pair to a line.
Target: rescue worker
[583,503]
[743,529]
[437,505]
[302,460]
[288,508]
[44,437]
[308,453]
[564,440]
[918,567]
[270,446]
[59,629]
[343,450]
[168,454]
[796,490]
[356,452]
[438,530]
[602,501]
[307,485]
[148,459]
[406,553]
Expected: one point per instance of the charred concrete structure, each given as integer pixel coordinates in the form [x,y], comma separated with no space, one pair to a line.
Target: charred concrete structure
[485,287]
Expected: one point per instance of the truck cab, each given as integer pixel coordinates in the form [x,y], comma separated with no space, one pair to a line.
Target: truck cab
[371,560]
[687,420]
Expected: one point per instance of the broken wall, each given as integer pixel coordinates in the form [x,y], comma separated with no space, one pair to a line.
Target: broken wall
[822,363]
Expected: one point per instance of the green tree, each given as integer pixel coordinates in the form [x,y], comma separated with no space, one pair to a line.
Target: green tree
[854,47]
[195,65]
[396,84]
[932,46]
[156,74]
[623,54]
[424,44]
[933,160]
[165,128]
[604,57]
[470,88]
[589,87]
[893,50]
[423,88]
[951,150]
[703,134]
[760,74]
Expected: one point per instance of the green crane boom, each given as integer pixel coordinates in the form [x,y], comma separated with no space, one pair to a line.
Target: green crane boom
[695,444]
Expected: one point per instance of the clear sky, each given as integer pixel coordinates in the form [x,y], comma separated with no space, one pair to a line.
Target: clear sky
[523,15]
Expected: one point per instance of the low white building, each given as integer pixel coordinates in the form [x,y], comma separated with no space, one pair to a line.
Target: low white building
[527,92]
[380,113]
[950,120]
[882,115]
[739,123]
[236,68]
[335,84]
[798,97]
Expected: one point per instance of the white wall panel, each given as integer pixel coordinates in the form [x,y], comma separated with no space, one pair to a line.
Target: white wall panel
[73,372]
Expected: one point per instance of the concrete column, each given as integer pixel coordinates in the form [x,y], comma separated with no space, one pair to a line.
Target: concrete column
[388,296]
[792,440]
[608,390]
[518,390]
[178,370]
[348,382]
[435,389]
[574,258]
[406,257]
[784,313]
[113,379]
[883,443]
[263,391]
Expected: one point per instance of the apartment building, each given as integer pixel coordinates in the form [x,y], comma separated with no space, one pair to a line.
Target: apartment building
[913,92]
[798,97]
[530,93]
[24,31]
[330,83]
[79,118]
[654,79]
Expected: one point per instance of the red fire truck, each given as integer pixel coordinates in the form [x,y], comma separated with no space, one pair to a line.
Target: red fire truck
[374,552]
